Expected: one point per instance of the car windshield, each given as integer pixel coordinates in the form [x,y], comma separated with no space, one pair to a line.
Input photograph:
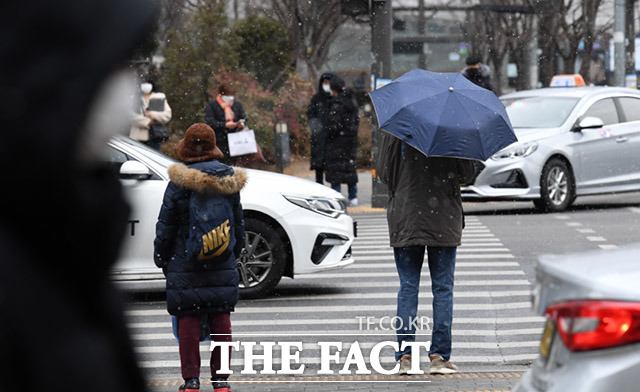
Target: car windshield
[149,152]
[539,112]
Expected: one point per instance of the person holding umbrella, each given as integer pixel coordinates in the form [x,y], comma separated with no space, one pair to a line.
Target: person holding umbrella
[424,210]
[434,124]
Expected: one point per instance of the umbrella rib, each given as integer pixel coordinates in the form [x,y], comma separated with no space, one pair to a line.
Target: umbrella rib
[474,123]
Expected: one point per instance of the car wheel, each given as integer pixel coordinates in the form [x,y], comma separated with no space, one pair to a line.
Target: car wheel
[557,187]
[262,262]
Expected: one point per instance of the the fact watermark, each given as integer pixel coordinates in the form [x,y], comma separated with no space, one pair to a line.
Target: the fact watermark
[361,353]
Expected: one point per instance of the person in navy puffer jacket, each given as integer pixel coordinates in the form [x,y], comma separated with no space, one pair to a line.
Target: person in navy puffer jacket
[202,196]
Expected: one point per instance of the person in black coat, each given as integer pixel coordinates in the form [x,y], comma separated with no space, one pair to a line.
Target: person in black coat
[65,90]
[225,115]
[342,140]
[201,280]
[318,114]
[478,73]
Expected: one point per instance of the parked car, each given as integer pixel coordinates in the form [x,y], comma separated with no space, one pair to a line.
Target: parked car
[572,141]
[591,341]
[293,226]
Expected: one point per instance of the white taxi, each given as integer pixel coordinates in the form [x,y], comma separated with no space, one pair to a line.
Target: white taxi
[293,226]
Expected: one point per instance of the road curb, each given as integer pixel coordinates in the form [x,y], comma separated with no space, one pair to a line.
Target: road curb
[352,379]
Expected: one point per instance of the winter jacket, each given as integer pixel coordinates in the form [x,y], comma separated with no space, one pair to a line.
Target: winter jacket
[318,116]
[425,206]
[481,78]
[140,123]
[214,117]
[342,141]
[61,208]
[198,286]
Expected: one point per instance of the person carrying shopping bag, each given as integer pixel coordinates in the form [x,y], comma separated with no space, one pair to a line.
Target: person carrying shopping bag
[225,114]
[199,233]
[149,123]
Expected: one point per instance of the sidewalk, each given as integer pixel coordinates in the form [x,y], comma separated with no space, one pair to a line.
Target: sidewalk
[478,381]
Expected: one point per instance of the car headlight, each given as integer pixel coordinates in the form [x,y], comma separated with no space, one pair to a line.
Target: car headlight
[519,151]
[322,205]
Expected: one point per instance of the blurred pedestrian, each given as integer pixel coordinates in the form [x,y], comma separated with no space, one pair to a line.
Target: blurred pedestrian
[199,234]
[149,121]
[342,140]
[225,114]
[424,210]
[318,115]
[478,73]
[65,91]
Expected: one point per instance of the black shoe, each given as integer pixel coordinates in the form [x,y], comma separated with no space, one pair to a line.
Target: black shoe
[190,385]
[220,385]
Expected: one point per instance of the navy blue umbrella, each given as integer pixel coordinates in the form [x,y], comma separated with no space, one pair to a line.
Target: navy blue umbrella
[443,114]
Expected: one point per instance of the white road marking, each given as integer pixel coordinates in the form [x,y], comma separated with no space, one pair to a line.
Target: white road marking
[607,246]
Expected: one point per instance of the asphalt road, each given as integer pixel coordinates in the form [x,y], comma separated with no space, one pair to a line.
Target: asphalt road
[496,334]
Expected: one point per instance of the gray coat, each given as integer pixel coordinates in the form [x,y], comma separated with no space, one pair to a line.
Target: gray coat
[424,207]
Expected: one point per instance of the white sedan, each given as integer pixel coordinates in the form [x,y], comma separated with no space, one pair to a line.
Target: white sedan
[293,226]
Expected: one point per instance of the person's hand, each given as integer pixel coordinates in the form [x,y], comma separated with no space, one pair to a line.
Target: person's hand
[231,124]
[240,124]
[147,113]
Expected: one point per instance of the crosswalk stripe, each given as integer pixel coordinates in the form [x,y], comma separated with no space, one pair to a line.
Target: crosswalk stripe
[359,335]
[385,231]
[376,308]
[349,321]
[356,309]
[386,235]
[458,283]
[340,274]
[308,347]
[461,248]
[385,250]
[389,264]
[393,295]
[385,240]
[458,257]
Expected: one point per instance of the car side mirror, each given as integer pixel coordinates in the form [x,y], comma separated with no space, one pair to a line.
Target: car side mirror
[134,170]
[589,123]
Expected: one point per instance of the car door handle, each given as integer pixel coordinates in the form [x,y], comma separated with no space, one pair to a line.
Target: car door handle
[621,139]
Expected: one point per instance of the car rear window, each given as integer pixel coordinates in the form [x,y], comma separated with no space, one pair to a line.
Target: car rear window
[631,108]
[539,112]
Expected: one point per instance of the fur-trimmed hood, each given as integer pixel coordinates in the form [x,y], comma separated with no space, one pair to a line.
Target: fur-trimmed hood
[217,181]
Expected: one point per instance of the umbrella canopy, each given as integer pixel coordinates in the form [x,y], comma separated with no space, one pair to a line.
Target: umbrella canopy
[443,114]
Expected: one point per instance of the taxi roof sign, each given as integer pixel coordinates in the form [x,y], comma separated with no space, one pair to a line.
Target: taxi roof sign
[574,80]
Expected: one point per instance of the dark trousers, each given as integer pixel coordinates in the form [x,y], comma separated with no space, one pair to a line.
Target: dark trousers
[319,176]
[442,264]
[352,189]
[189,336]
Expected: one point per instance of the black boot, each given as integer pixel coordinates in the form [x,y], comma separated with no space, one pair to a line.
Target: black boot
[190,385]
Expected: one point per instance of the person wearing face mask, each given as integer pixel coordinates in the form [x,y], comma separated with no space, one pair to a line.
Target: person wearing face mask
[478,73]
[342,140]
[64,94]
[317,115]
[225,114]
[149,121]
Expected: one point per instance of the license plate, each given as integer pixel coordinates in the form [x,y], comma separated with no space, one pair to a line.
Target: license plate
[547,338]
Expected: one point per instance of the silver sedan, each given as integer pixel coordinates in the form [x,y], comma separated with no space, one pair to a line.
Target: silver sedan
[591,341]
[572,141]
